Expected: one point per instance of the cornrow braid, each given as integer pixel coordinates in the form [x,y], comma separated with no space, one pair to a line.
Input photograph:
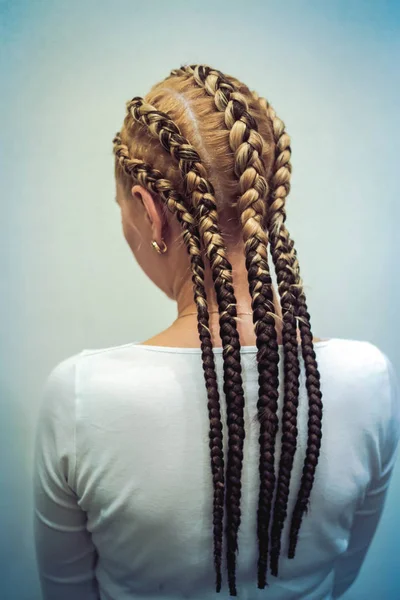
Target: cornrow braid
[281,187]
[201,191]
[157,184]
[247,144]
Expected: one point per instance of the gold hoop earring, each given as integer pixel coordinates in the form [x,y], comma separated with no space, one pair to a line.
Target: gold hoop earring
[157,248]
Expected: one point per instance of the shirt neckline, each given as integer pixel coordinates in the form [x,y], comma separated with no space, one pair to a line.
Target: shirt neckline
[217,350]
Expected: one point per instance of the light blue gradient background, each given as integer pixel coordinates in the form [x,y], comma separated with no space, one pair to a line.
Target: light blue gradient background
[68,280]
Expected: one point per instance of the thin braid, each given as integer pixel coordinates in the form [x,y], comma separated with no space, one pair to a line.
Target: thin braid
[281,188]
[247,145]
[156,183]
[200,189]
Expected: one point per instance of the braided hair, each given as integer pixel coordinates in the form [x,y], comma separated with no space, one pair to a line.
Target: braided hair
[247,145]
[281,179]
[152,179]
[254,138]
[201,192]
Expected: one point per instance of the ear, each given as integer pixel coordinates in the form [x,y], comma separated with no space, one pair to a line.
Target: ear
[154,212]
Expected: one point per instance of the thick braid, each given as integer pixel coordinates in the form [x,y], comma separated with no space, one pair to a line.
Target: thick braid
[280,190]
[153,180]
[261,292]
[313,384]
[247,145]
[202,193]
[276,217]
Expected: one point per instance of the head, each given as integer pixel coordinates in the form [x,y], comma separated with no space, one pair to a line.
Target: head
[203,169]
[145,216]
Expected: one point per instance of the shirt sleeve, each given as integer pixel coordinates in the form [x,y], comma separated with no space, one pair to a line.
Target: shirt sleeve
[65,554]
[368,516]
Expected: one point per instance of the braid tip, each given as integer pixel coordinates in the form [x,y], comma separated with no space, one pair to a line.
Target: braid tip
[218,583]
[274,560]
[274,566]
[262,575]
[262,582]
[292,550]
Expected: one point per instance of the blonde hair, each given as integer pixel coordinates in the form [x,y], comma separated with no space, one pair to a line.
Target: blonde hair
[226,153]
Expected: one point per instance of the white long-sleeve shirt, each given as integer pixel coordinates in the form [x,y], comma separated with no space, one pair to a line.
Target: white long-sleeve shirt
[122,476]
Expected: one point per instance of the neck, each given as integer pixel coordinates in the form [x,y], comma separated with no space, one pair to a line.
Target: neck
[185,300]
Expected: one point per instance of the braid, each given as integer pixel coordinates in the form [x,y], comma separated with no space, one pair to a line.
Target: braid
[281,188]
[154,181]
[250,170]
[247,144]
[200,189]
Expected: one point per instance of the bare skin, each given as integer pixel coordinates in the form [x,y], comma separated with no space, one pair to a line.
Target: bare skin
[144,220]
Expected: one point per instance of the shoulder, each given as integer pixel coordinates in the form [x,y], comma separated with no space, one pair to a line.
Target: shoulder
[62,378]
[356,361]
[64,381]
[366,378]
[58,390]
[62,375]
[359,357]
[360,375]
[357,353]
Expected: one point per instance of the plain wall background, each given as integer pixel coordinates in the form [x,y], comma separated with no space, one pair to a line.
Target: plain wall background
[68,280]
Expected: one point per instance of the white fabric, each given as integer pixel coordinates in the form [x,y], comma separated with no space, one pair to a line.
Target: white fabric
[122,477]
